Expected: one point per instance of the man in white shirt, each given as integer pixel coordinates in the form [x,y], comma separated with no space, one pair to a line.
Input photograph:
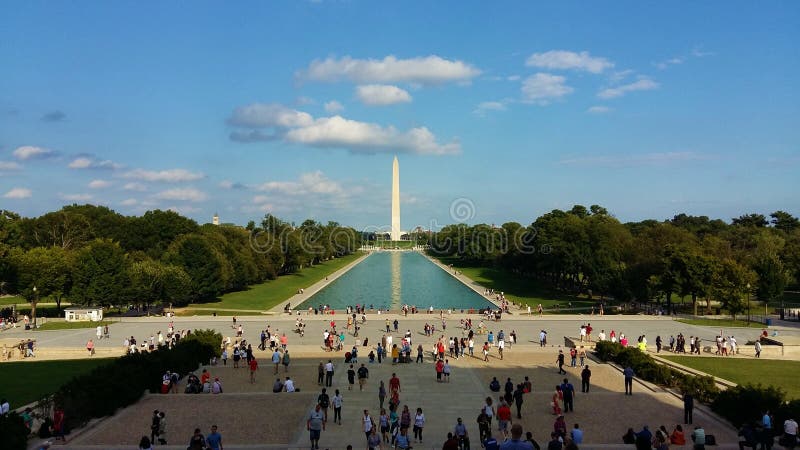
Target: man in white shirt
[329,373]
[289,385]
[602,335]
[790,428]
[4,407]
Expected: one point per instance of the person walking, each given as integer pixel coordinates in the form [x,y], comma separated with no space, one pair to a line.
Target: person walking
[363,374]
[285,361]
[629,374]
[329,373]
[155,421]
[315,425]
[419,424]
[519,396]
[337,407]
[253,368]
[214,439]
[568,390]
[197,441]
[276,360]
[586,375]
[560,362]
[381,394]
[688,407]
[324,401]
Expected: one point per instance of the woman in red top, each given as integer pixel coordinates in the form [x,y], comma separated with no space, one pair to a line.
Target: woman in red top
[253,368]
[58,424]
[439,370]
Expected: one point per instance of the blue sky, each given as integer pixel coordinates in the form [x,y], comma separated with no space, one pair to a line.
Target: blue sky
[496,113]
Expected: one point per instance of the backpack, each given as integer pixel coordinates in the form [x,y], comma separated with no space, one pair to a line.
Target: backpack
[324,400]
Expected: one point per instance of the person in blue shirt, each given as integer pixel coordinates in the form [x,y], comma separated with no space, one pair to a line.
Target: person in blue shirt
[214,439]
[491,443]
[577,435]
[516,442]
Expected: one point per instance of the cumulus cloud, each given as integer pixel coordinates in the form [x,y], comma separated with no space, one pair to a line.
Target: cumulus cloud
[382,94]
[265,115]
[18,193]
[27,152]
[598,109]
[364,137]
[311,190]
[333,107]
[54,116]
[76,197]
[422,70]
[90,162]
[99,184]
[642,84]
[308,183]
[299,127]
[485,107]
[563,60]
[185,194]
[129,202]
[541,88]
[166,176]
[9,165]
[643,159]
[135,187]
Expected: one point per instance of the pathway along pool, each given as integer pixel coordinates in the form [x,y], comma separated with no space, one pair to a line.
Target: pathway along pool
[389,280]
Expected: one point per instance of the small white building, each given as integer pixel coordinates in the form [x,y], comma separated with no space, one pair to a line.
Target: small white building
[83,314]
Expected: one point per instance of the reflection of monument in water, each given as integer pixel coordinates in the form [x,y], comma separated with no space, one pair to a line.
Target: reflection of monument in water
[396,268]
[396,233]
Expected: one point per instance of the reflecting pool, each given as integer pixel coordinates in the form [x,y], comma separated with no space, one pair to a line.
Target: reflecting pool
[392,279]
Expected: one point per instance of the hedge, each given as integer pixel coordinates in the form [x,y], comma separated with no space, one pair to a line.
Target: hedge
[738,404]
[122,382]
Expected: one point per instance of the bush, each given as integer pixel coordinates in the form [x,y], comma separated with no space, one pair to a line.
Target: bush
[121,383]
[209,337]
[13,432]
[742,404]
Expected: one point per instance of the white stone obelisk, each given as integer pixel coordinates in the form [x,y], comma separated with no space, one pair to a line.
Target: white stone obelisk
[395,236]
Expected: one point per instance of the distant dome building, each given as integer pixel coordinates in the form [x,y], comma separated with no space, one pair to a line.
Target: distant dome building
[215,219]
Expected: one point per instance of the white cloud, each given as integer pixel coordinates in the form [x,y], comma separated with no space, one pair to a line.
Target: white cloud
[268,115]
[333,107]
[563,59]
[308,183]
[644,159]
[135,187]
[31,152]
[513,78]
[642,84]
[88,162]
[334,132]
[76,197]
[9,165]
[668,62]
[364,137]
[618,76]
[185,194]
[382,94]
[185,209]
[423,70]
[129,202]
[99,184]
[18,193]
[699,53]
[598,109]
[485,107]
[542,87]
[166,176]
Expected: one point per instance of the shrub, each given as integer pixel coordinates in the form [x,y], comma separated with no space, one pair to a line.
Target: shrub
[121,383]
[742,404]
[209,337]
[13,432]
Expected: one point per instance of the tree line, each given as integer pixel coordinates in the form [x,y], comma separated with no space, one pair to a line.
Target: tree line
[588,251]
[94,256]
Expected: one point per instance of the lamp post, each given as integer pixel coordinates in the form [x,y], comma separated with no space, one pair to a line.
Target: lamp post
[35,302]
[748,304]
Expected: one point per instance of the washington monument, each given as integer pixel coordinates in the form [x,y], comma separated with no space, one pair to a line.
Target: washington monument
[395,236]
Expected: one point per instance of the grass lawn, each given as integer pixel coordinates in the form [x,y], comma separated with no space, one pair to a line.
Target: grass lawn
[25,382]
[12,300]
[64,325]
[781,373]
[266,295]
[722,323]
[517,288]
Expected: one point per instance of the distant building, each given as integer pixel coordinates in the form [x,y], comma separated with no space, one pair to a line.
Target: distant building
[215,219]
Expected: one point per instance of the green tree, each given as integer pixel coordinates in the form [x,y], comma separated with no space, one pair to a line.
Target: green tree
[784,221]
[207,267]
[751,220]
[729,285]
[45,269]
[100,274]
[153,282]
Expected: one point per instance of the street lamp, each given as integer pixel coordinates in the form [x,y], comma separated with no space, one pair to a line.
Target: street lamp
[748,304]
[33,312]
